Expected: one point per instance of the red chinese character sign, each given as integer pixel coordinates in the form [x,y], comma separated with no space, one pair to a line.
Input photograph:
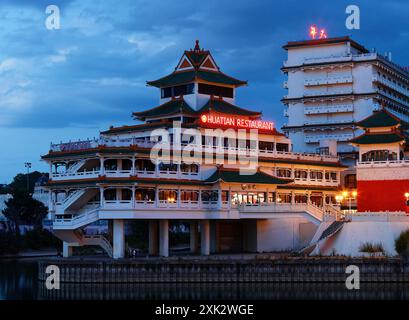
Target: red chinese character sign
[314,34]
[215,120]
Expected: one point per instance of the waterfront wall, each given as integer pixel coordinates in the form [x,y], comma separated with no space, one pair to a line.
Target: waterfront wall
[179,271]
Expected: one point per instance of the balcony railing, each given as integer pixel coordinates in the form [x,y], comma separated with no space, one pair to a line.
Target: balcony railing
[385,163]
[163,204]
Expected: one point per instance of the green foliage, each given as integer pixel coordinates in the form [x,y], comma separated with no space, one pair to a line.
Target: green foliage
[402,243]
[19,184]
[23,209]
[371,248]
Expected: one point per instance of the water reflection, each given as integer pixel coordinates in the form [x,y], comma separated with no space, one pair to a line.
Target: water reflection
[18,280]
[228,291]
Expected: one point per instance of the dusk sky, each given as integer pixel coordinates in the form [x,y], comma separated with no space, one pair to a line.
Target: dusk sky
[91,73]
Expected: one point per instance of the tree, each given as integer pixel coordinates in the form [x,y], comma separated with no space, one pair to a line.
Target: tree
[19,183]
[23,209]
[402,244]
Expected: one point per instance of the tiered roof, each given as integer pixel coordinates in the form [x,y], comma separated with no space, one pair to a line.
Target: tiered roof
[179,106]
[196,64]
[380,119]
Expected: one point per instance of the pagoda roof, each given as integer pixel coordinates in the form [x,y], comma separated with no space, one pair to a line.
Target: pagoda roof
[196,64]
[379,119]
[222,106]
[376,138]
[179,106]
[174,106]
[184,77]
[229,175]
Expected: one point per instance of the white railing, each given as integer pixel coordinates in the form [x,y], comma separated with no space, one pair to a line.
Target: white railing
[74,196]
[75,221]
[210,149]
[264,207]
[391,84]
[329,80]
[76,175]
[338,137]
[117,173]
[387,163]
[328,109]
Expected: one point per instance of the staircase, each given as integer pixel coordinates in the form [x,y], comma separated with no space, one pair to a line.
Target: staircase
[76,200]
[75,167]
[77,238]
[98,240]
[76,221]
[328,232]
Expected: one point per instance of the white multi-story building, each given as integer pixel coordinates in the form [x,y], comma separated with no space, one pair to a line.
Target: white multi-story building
[117,178]
[332,84]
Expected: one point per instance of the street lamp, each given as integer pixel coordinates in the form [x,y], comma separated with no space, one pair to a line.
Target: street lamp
[28,166]
[345,195]
[407,198]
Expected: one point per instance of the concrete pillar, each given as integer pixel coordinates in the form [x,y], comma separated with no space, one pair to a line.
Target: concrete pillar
[118,239]
[66,250]
[205,237]
[164,238]
[153,237]
[194,237]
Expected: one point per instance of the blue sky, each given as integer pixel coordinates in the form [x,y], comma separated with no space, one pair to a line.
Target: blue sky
[73,82]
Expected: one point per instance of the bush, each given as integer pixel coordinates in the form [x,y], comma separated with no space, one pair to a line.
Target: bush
[402,243]
[371,248]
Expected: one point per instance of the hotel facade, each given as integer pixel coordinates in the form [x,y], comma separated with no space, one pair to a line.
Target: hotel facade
[263,198]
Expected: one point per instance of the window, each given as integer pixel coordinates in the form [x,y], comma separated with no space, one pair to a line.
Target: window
[316,175]
[215,90]
[379,155]
[266,145]
[283,172]
[283,147]
[177,90]
[350,181]
[300,174]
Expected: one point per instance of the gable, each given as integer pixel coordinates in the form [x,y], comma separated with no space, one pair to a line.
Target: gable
[209,64]
[184,63]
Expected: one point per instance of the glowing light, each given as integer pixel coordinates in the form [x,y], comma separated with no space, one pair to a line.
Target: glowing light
[323,34]
[407,195]
[354,194]
[313,31]
[345,194]
[235,122]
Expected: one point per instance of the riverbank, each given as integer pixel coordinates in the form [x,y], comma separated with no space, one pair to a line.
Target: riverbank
[30,254]
[178,270]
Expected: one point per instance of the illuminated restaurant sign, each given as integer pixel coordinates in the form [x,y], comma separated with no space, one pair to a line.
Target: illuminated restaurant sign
[235,122]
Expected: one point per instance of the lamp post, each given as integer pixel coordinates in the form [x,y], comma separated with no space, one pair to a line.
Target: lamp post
[407,201]
[28,166]
[345,195]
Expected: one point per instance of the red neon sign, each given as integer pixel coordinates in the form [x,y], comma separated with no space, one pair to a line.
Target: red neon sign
[235,122]
[314,32]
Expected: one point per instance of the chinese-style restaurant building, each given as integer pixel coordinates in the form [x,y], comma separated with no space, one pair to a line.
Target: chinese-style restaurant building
[200,159]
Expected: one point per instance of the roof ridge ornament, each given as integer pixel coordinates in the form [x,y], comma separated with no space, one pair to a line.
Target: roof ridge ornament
[197,46]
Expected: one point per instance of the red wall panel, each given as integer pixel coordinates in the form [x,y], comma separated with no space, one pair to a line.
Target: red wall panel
[382,195]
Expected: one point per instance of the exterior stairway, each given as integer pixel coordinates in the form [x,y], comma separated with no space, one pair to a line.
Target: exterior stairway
[325,232]
[75,167]
[76,221]
[76,200]
[76,238]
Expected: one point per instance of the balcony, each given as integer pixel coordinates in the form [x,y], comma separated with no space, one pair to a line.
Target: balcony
[337,137]
[324,109]
[328,81]
[386,163]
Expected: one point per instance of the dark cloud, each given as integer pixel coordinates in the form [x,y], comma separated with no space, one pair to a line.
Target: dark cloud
[92,71]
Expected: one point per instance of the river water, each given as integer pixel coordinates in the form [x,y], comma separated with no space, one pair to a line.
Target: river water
[18,281]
